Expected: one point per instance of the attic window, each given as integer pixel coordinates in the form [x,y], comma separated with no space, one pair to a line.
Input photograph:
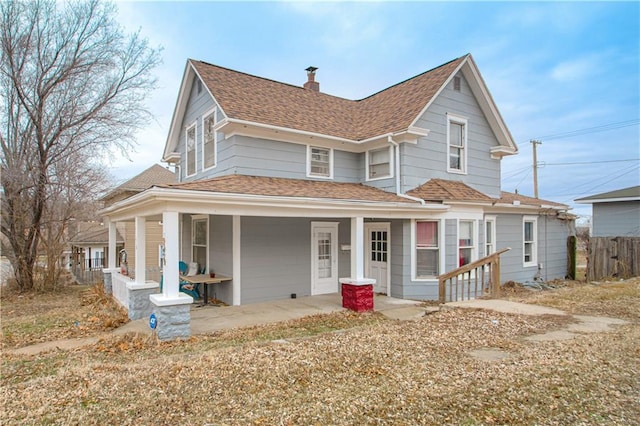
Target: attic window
[199,86]
[456,84]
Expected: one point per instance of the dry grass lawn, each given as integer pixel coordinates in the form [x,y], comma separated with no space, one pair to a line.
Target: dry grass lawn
[343,368]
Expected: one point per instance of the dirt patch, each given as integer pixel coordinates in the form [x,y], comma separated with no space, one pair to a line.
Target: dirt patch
[71,312]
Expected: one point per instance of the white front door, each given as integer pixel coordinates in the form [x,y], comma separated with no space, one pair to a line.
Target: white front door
[324,257]
[377,255]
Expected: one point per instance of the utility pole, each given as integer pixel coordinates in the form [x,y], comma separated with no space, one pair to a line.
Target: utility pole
[535,167]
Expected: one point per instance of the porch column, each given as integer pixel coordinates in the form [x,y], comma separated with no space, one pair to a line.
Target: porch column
[172,308]
[112,245]
[170,232]
[357,291]
[357,248]
[236,261]
[140,249]
[111,254]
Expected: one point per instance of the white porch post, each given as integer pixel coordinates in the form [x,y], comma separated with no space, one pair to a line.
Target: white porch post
[140,249]
[172,308]
[112,245]
[357,291]
[172,258]
[236,261]
[357,248]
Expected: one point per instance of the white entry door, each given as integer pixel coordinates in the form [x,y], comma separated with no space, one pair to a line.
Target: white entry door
[377,255]
[324,257]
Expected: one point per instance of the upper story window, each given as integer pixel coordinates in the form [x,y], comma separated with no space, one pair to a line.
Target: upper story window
[379,163]
[319,162]
[530,240]
[457,144]
[465,242]
[190,147]
[209,140]
[427,249]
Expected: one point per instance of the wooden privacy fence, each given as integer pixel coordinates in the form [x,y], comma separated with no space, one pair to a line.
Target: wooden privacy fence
[472,279]
[613,257]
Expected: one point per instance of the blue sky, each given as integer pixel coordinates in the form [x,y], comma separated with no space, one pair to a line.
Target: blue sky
[566,73]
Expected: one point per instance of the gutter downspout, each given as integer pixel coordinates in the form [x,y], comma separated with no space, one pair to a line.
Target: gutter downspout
[396,150]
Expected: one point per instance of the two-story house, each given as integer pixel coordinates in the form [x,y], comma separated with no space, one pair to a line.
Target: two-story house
[289,190]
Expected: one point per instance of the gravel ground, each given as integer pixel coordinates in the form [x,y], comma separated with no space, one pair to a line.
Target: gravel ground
[374,372]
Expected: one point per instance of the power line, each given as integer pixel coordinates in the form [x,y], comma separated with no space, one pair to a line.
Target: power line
[626,172]
[544,163]
[589,130]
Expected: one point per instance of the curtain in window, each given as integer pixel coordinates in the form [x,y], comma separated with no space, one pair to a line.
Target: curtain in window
[427,234]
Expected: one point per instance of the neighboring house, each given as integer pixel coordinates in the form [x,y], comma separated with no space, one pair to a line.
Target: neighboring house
[89,248]
[615,213]
[154,175]
[291,191]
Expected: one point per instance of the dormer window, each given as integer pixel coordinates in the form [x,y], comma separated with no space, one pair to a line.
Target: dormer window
[319,162]
[190,148]
[209,140]
[379,163]
[456,144]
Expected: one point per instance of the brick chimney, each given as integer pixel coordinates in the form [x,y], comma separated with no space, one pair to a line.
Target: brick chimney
[311,83]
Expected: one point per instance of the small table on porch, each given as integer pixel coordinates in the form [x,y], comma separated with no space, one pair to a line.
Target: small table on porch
[205,280]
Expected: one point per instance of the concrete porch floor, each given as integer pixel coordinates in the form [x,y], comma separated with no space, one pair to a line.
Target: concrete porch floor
[208,319]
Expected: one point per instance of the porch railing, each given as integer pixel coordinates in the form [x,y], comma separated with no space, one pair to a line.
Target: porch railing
[119,287]
[472,279]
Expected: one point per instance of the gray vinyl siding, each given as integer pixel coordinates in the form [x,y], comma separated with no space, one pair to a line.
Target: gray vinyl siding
[262,157]
[551,248]
[429,157]
[616,219]
[197,105]
[399,261]
[276,257]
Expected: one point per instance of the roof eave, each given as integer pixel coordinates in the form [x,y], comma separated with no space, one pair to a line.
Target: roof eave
[605,200]
[168,195]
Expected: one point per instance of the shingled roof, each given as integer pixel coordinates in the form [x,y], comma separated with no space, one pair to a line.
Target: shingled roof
[509,198]
[283,187]
[154,175]
[447,190]
[246,97]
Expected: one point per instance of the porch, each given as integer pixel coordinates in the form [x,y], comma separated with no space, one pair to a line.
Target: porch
[210,319]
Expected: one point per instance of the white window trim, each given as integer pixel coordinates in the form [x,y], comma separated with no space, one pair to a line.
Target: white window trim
[194,218]
[391,164]
[441,247]
[195,149]
[534,250]
[491,219]
[212,112]
[474,236]
[309,174]
[452,118]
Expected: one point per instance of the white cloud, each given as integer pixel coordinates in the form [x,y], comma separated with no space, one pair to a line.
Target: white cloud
[576,68]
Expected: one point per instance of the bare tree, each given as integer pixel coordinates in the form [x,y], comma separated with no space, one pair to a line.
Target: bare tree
[72,87]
